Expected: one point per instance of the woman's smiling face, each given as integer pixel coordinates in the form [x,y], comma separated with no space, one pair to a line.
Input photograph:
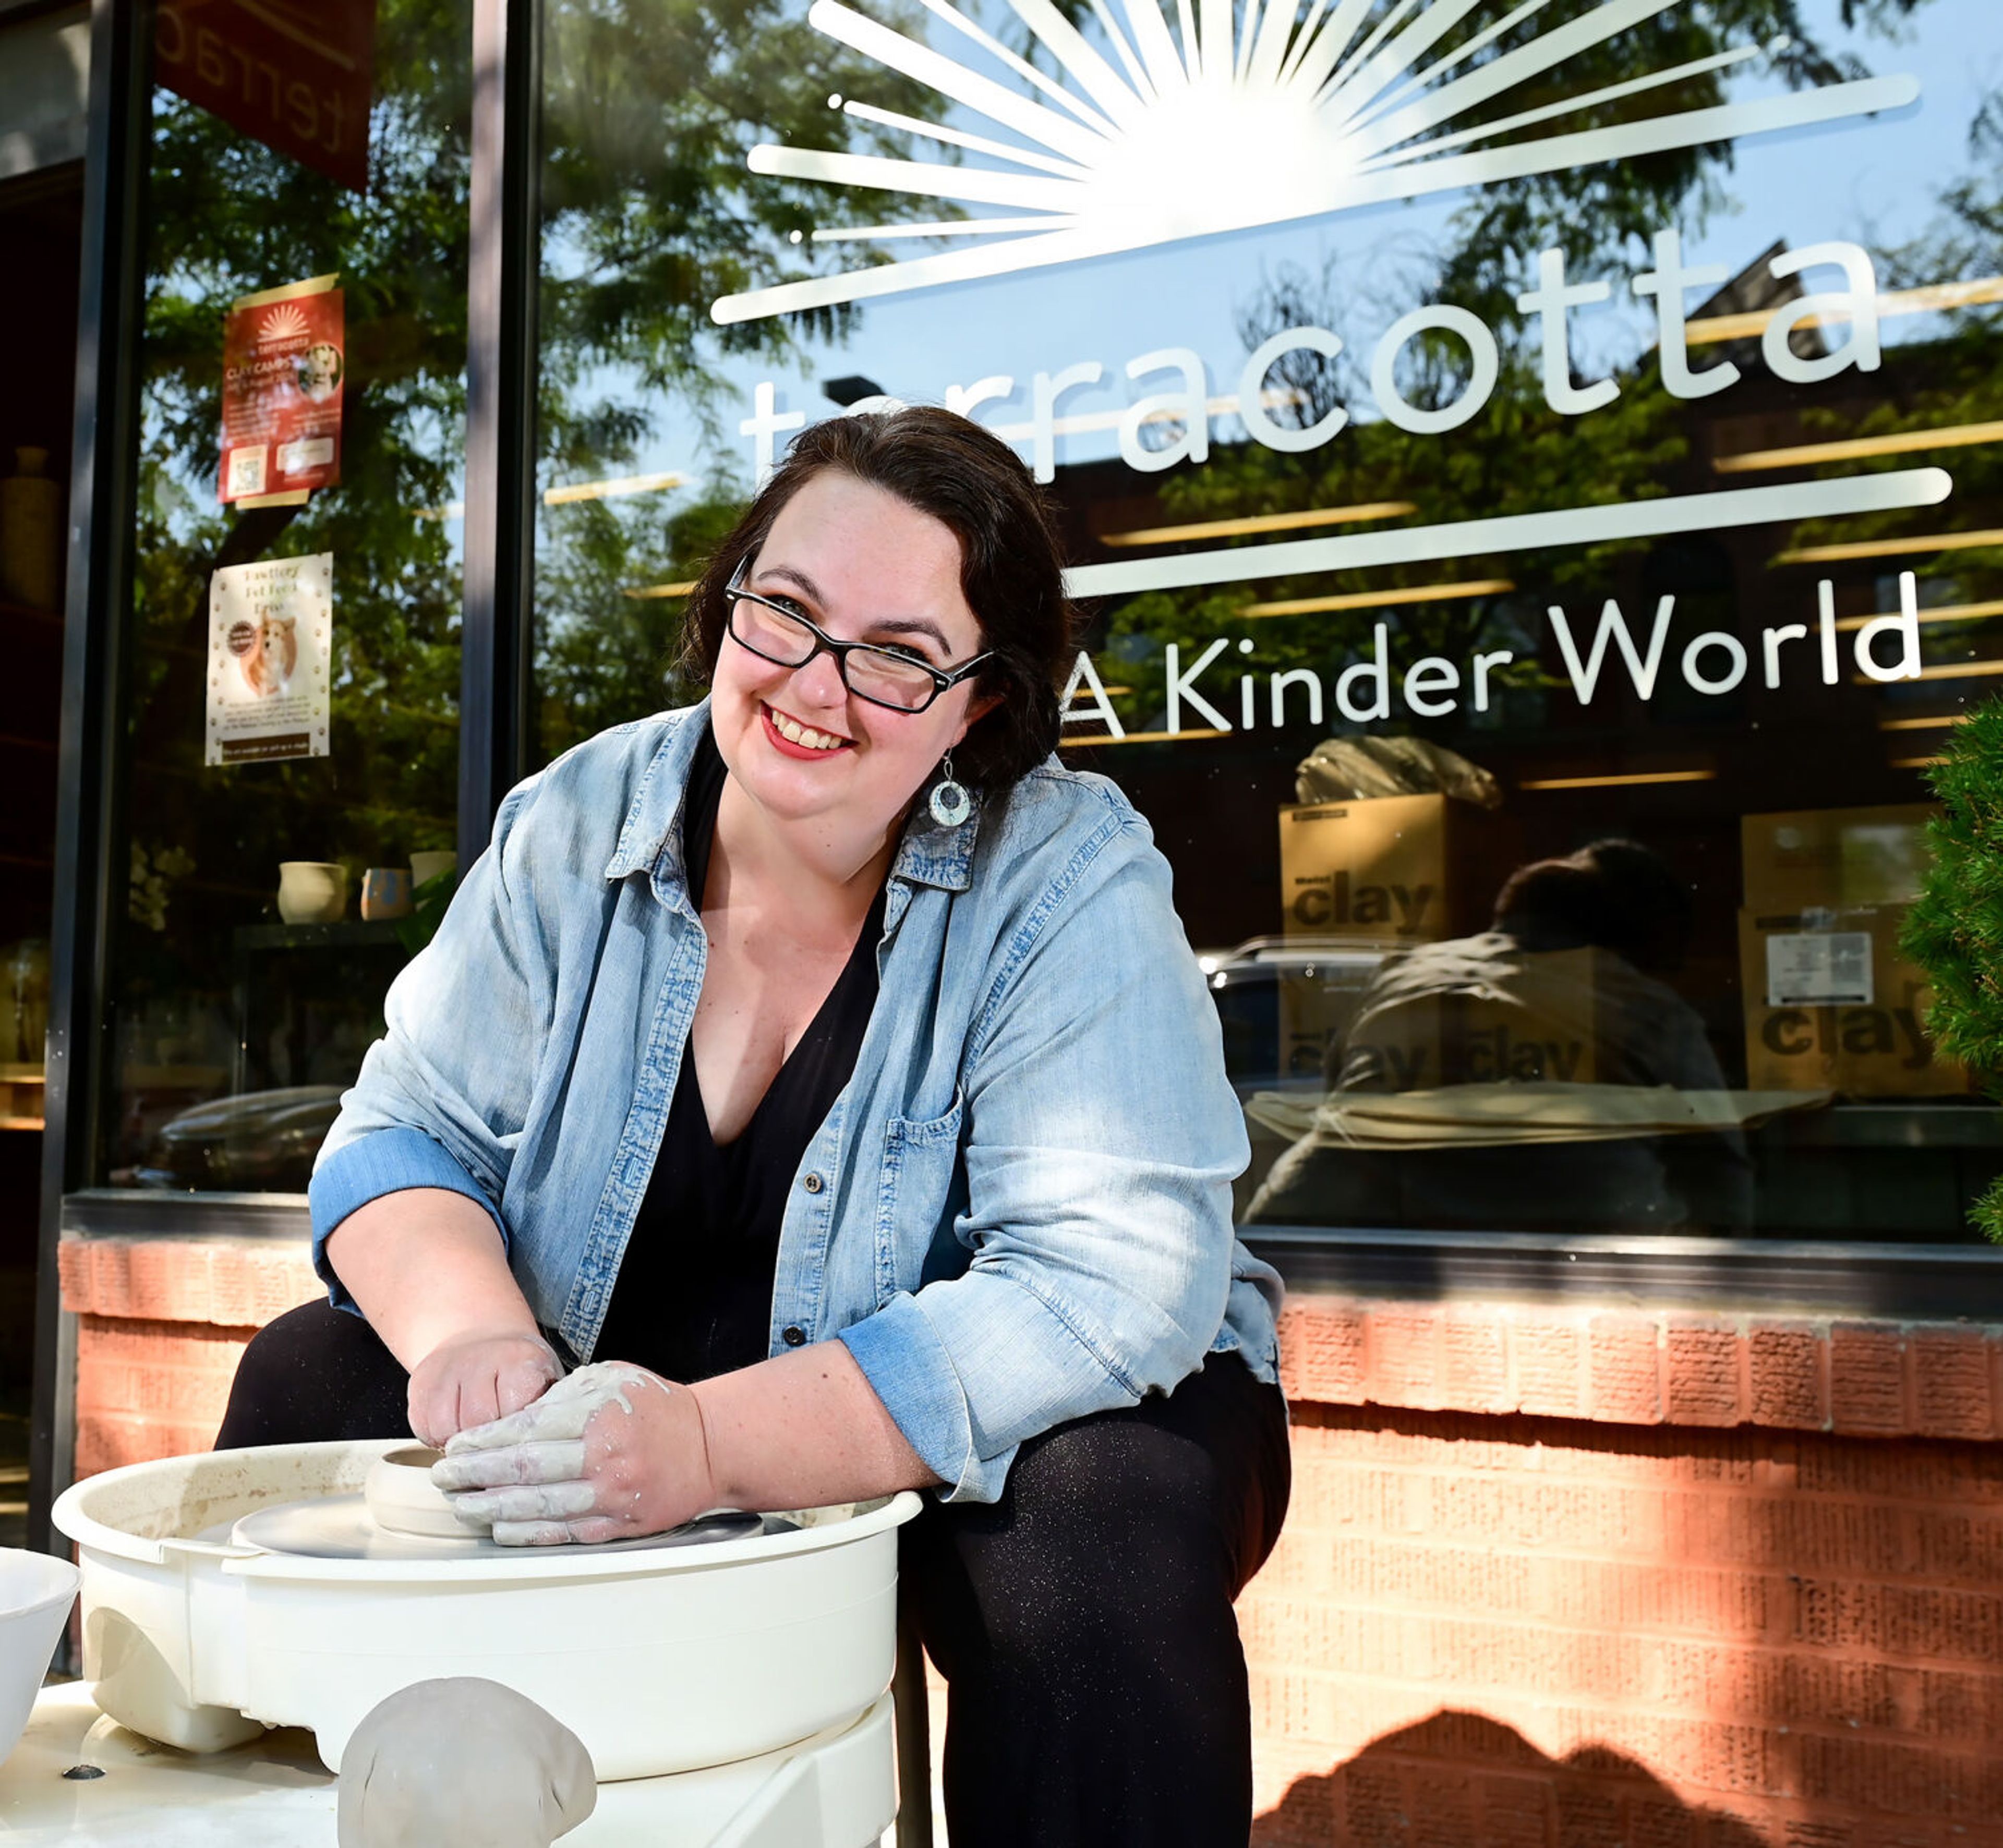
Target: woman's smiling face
[864,566]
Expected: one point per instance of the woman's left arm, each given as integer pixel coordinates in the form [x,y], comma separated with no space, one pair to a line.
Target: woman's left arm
[802,1430]
[1101,1137]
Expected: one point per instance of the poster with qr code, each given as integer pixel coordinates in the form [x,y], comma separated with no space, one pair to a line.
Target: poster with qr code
[270,652]
[284,364]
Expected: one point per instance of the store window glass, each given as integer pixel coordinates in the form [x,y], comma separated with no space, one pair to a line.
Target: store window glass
[1533,472]
[291,750]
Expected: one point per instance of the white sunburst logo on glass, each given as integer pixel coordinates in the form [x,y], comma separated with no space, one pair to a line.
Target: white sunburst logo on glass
[1196,120]
[282,322]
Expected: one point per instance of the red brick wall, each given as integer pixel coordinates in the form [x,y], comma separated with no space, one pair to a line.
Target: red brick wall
[147,1389]
[1620,1626]
[161,1325]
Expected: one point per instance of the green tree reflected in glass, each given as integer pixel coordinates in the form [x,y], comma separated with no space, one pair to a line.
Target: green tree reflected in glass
[226,216]
[649,214]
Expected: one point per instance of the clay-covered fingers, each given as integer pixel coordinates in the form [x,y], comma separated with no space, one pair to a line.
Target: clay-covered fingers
[561,1460]
[521,1383]
[563,1412]
[433,1402]
[533,1502]
[477,1401]
[554,1417]
[591,1531]
[425,1424]
[477,1379]
[535,1533]
[434,1412]
[610,1436]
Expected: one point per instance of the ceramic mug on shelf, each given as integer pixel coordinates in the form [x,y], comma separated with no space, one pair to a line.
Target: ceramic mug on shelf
[426,866]
[312,891]
[385,892]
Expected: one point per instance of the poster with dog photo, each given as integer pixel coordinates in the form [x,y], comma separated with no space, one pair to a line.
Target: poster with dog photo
[270,646]
[284,360]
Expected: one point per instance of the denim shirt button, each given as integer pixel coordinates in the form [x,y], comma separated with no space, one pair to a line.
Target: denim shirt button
[813,1183]
[795,1336]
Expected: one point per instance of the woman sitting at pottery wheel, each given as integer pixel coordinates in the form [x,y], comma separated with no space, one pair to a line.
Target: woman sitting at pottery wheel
[825,1064]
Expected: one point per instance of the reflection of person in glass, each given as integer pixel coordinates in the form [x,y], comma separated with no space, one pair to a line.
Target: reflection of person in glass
[1611,1119]
[754,1054]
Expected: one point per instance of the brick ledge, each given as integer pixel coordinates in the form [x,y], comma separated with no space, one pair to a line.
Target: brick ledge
[1855,1377]
[240,1283]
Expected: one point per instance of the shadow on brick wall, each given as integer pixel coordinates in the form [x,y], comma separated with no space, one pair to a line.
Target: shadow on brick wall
[1462,1781]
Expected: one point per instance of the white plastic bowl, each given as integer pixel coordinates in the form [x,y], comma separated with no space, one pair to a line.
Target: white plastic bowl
[36,1593]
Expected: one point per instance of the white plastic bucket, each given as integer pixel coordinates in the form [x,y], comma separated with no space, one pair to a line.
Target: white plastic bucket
[36,1593]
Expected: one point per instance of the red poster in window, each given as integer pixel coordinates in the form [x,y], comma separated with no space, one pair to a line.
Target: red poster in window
[295,74]
[284,359]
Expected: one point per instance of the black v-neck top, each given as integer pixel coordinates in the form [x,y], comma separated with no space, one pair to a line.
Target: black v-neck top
[693,1295]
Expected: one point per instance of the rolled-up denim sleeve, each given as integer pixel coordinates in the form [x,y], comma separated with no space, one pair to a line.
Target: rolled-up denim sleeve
[442,1098]
[1101,1140]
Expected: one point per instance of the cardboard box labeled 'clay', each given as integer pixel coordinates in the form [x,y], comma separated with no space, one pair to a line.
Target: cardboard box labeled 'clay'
[1536,1022]
[1837,858]
[1831,1005]
[1377,870]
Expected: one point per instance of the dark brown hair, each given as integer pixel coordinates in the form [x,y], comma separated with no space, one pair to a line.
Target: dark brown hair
[1011,567]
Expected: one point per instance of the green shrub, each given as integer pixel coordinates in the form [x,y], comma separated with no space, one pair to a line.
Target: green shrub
[1954,931]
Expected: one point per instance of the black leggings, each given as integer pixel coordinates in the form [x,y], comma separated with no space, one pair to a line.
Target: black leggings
[1083,1621]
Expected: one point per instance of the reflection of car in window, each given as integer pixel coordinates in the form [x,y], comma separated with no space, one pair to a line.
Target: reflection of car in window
[1283,1002]
[261,1142]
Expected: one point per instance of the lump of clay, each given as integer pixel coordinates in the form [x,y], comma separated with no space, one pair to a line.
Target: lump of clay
[461,1761]
[402,1499]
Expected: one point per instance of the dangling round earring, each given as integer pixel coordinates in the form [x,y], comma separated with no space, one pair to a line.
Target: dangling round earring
[950,803]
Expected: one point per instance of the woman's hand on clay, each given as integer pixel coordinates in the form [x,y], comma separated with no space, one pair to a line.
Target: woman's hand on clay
[610,1452]
[477,1377]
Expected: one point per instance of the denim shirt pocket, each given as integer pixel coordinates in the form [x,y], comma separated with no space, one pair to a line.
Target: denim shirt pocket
[921,1180]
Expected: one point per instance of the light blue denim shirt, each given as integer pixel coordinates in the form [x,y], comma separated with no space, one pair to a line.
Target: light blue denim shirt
[1018,1210]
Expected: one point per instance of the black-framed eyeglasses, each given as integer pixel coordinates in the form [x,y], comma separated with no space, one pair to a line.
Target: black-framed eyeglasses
[884,676]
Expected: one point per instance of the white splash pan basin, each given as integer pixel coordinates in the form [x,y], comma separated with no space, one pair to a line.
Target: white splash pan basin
[660,1662]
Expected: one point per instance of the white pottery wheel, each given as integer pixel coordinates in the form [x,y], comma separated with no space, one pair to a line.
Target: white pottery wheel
[401,1514]
[661,1657]
[346,1527]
